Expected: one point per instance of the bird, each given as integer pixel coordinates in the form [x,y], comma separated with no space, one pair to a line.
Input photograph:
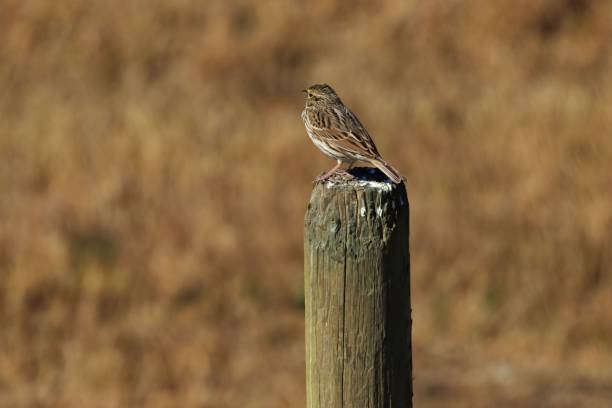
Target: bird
[338,133]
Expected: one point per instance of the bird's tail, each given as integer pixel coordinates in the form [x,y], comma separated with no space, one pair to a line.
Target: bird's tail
[389,171]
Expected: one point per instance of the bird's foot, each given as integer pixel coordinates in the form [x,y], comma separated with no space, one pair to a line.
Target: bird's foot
[322,177]
[340,172]
[344,174]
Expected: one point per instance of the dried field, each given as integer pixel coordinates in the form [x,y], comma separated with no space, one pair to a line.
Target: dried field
[154,174]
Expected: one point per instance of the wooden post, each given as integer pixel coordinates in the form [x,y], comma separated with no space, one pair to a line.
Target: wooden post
[357,294]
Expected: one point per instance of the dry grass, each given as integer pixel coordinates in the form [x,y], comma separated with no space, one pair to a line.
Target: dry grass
[154,174]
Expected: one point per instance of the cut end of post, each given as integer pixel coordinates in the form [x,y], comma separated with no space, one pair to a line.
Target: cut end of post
[363,178]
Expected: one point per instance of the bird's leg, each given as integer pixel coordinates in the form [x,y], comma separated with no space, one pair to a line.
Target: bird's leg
[327,175]
[337,170]
[346,173]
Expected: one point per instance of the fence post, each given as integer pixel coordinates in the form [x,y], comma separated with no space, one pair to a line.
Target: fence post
[357,295]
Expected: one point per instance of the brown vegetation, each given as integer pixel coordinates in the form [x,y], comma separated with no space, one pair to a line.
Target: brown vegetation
[154,174]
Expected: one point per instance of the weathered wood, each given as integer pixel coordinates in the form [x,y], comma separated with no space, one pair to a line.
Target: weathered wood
[357,293]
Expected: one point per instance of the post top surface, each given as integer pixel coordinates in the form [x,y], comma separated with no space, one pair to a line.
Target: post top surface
[364,178]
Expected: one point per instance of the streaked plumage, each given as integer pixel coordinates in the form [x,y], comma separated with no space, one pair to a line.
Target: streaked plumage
[337,132]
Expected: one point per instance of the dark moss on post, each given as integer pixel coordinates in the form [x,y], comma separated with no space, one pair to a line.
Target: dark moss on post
[357,294]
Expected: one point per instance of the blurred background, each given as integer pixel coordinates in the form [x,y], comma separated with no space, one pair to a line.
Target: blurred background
[154,175]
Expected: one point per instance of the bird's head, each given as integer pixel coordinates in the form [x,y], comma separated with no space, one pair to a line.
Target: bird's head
[321,94]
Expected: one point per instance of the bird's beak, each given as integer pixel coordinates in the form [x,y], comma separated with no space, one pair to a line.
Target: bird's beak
[305,90]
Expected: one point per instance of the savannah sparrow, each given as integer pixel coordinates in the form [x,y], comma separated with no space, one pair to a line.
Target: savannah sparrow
[337,132]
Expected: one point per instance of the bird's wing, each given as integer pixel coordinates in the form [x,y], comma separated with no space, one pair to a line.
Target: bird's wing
[341,129]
